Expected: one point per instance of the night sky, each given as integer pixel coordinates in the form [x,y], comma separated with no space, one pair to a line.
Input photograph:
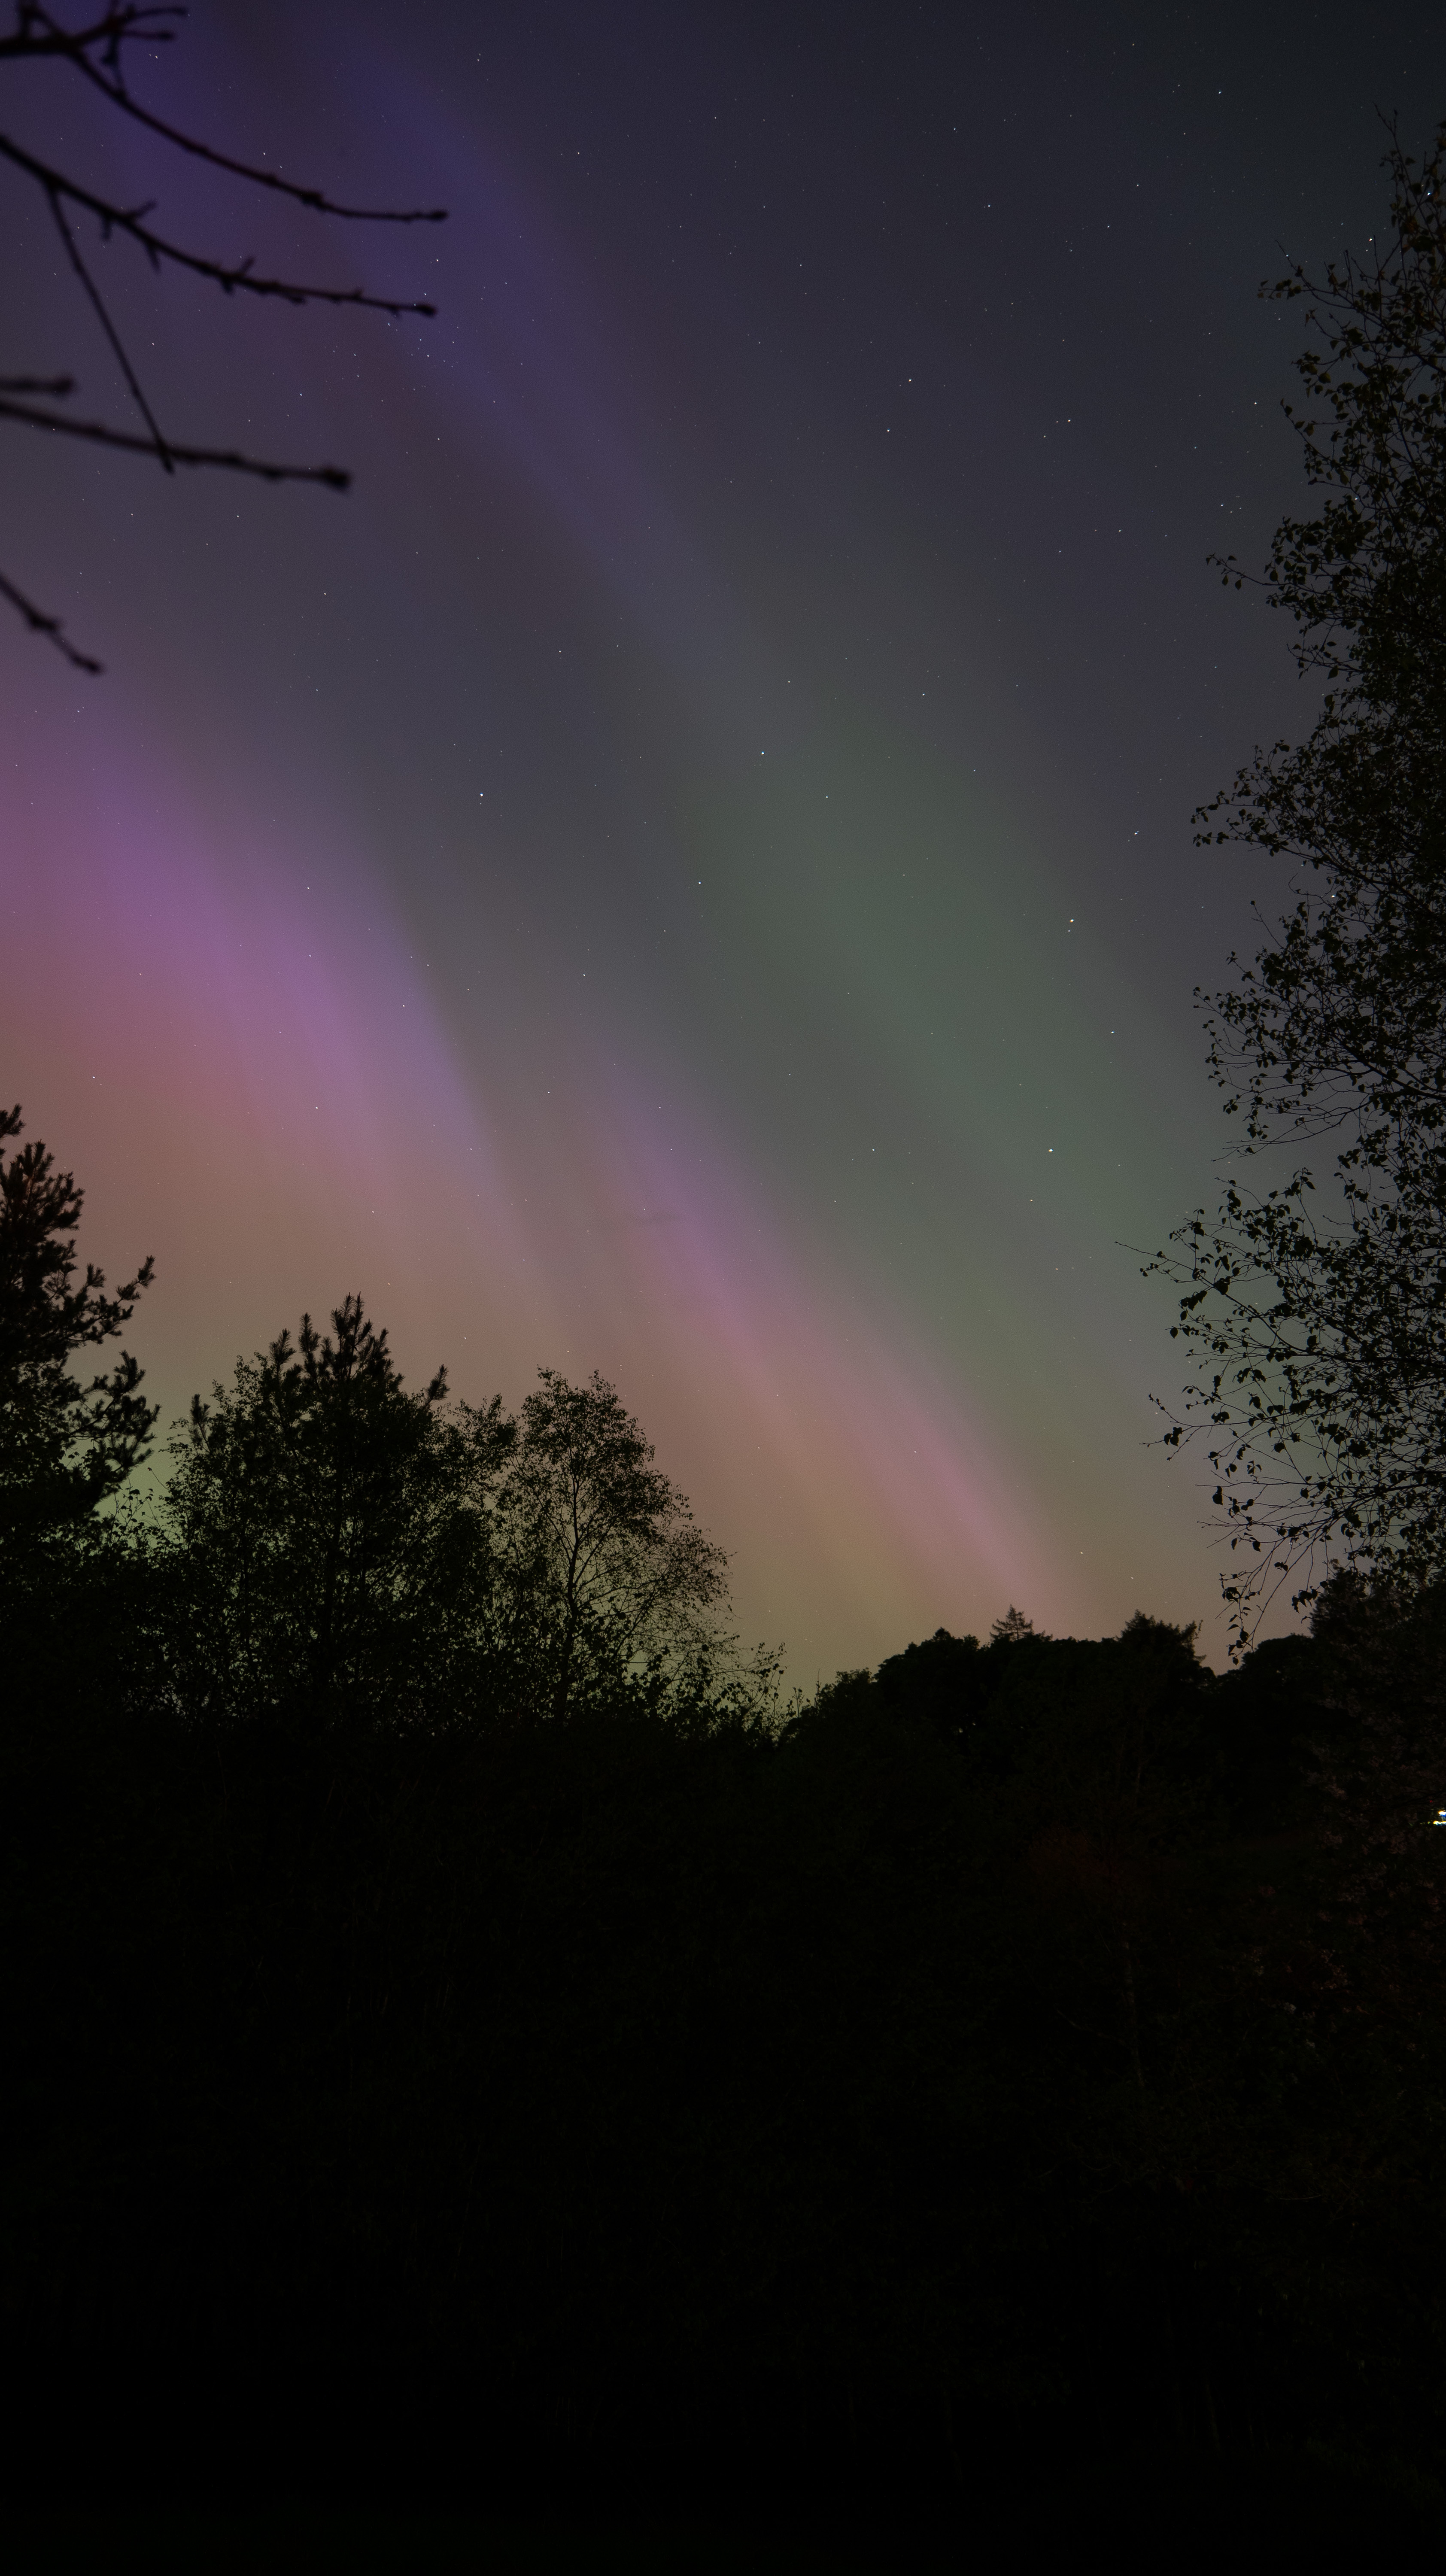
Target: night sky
[687,870]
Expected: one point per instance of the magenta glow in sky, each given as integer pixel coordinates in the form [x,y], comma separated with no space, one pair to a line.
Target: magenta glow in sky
[687,870]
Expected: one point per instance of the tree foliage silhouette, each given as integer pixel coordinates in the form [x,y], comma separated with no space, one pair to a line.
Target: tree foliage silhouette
[99,53]
[65,1447]
[344,1551]
[1318,1304]
[330,1534]
[611,1573]
[401,2007]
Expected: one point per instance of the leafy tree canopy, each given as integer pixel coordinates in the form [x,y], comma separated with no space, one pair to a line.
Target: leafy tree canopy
[608,1568]
[1318,1305]
[330,1531]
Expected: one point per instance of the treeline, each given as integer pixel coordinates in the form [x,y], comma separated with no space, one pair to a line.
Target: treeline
[330,1546]
[439,1976]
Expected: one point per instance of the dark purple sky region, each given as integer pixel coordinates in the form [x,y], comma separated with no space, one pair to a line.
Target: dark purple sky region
[687,869]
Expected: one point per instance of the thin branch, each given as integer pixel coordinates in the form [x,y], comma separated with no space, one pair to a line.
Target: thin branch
[98,307]
[96,52]
[119,26]
[101,434]
[50,627]
[131,221]
[110,32]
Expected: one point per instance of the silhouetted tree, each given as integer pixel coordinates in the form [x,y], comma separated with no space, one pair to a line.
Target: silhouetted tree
[1011,1629]
[1319,1304]
[1033,2044]
[331,1550]
[613,1583]
[1378,1743]
[65,1447]
[1100,1743]
[97,53]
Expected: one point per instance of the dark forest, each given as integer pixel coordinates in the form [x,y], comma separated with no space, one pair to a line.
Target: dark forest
[473,2040]
[457,2014]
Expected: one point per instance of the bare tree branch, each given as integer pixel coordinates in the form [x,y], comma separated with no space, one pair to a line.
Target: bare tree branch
[97,52]
[98,306]
[51,628]
[118,25]
[239,275]
[101,434]
[38,35]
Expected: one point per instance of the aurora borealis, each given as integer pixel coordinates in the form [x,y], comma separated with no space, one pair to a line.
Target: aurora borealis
[687,869]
